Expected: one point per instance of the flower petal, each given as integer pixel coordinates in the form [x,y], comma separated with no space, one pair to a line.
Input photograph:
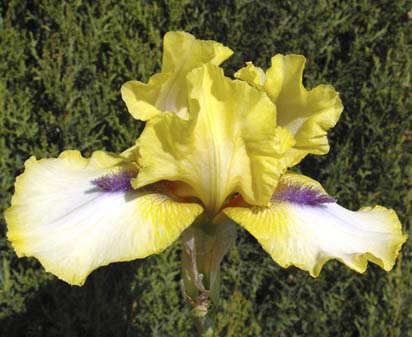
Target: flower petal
[255,76]
[61,216]
[306,114]
[303,227]
[229,144]
[167,91]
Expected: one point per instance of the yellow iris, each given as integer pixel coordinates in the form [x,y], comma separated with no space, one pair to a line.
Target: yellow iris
[213,149]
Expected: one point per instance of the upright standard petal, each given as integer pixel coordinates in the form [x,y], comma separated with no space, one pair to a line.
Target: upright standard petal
[167,91]
[75,214]
[306,114]
[304,227]
[228,145]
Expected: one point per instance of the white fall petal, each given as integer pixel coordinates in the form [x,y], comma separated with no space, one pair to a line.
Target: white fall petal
[302,227]
[73,227]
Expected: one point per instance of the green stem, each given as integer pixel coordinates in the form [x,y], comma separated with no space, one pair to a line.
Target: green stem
[205,321]
[204,245]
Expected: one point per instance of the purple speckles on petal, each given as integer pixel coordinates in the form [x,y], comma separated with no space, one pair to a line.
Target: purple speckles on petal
[116,182]
[302,195]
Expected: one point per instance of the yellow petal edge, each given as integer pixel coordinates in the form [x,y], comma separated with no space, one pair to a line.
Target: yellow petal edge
[72,227]
[307,236]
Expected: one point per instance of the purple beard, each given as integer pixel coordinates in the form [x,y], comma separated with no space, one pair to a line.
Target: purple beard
[293,193]
[301,195]
[116,182]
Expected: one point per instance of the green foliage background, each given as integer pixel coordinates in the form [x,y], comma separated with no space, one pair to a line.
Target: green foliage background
[61,67]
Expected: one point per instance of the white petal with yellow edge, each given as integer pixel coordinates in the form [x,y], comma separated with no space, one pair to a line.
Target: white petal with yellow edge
[229,144]
[73,227]
[167,91]
[304,228]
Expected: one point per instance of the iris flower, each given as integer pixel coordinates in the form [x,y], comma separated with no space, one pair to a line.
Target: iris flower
[215,151]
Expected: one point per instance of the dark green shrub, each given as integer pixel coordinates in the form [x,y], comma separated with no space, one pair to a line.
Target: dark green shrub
[61,68]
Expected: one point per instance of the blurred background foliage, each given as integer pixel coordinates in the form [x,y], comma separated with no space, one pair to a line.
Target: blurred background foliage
[61,67]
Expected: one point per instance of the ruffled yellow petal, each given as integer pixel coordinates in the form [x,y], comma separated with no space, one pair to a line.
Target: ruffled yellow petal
[167,91]
[228,145]
[304,228]
[255,76]
[306,114]
[59,216]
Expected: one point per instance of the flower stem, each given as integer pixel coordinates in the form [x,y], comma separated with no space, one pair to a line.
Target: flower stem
[204,245]
[205,321]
